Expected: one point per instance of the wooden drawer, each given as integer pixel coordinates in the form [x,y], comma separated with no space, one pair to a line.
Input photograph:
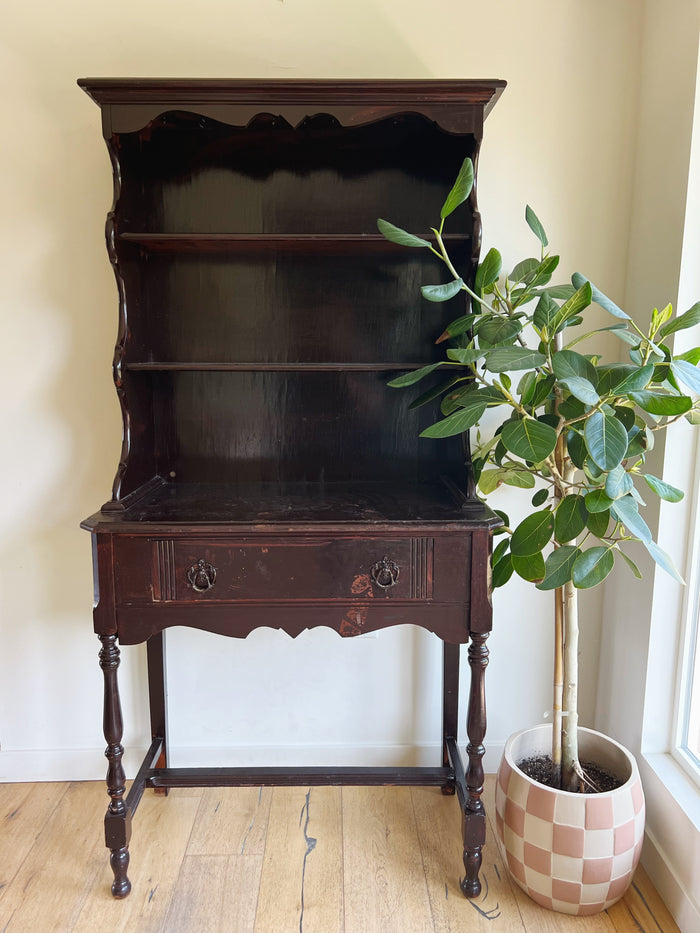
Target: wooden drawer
[291,567]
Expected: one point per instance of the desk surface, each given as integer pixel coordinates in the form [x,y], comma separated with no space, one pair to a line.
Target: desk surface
[254,505]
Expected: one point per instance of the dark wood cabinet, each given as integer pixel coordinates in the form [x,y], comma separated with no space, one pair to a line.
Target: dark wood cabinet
[268,475]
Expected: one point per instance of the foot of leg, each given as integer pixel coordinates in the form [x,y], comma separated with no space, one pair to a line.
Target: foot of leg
[119,860]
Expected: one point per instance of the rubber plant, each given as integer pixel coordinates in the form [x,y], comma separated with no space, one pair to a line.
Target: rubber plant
[573,429]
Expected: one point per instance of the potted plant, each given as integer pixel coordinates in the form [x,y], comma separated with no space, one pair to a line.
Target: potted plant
[574,432]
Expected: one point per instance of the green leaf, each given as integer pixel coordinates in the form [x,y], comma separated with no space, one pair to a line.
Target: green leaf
[488,271]
[490,480]
[621,379]
[570,518]
[442,292]
[533,533]
[657,403]
[578,302]
[598,522]
[631,564]
[558,567]
[495,329]
[543,389]
[664,490]
[457,423]
[567,363]
[526,387]
[560,292]
[688,319]
[465,355]
[457,327]
[460,190]
[663,560]
[529,566]
[597,501]
[540,497]
[504,359]
[618,483]
[535,225]
[577,448]
[581,389]
[626,510]
[688,374]
[502,571]
[499,551]
[591,567]
[544,313]
[430,394]
[523,269]
[690,356]
[599,298]
[397,235]
[408,379]
[544,272]
[529,439]
[606,440]
[520,478]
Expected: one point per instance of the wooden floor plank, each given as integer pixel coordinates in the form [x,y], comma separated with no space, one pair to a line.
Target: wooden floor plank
[439,823]
[366,860]
[215,894]
[301,887]
[24,811]
[642,909]
[161,830]
[385,887]
[231,821]
[56,876]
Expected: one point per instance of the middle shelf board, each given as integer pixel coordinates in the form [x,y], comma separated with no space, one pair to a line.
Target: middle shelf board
[194,366]
[262,243]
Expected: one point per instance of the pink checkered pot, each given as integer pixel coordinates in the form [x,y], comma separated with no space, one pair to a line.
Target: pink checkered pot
[574,853]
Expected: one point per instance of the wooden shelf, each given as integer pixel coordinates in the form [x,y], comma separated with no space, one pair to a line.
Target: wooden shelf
[265,243]
[220,367]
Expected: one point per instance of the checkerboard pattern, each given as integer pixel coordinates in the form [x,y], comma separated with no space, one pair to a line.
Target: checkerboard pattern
[573,853]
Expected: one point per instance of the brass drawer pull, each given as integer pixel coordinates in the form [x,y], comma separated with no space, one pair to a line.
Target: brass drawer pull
[201,576]
[385,573]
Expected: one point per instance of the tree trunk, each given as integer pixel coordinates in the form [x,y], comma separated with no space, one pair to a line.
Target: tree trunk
[570,763]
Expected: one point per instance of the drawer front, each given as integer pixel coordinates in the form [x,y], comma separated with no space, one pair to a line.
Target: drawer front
[275,569]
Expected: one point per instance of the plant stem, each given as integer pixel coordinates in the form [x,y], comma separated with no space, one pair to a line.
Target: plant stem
[570,763]
[558,685]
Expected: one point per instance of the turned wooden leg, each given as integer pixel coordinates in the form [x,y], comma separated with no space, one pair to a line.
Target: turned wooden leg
[474,816]
[117,818]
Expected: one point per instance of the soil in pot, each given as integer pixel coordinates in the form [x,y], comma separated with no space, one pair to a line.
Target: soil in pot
[599,780]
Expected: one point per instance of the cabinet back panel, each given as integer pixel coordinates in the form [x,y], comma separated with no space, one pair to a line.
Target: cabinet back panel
[265,427]
[284,308]
[189,174]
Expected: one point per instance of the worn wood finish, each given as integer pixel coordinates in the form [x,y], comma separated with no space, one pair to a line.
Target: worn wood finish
[268,475]
[200,865]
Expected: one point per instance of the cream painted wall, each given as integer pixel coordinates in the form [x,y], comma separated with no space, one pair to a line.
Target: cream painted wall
[562,138]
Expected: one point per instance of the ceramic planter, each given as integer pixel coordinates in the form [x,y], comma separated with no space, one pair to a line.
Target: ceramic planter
[574,853]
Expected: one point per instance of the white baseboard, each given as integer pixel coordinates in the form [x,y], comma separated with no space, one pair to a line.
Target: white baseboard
[88,764]
[683,907]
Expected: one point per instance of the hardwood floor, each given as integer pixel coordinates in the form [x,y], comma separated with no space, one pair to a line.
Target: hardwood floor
[264,860]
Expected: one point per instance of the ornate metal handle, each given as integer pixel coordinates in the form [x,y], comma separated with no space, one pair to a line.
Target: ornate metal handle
[385,573]
[201,576]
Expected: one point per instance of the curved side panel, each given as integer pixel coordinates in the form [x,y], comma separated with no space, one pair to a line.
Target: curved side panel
[110,237]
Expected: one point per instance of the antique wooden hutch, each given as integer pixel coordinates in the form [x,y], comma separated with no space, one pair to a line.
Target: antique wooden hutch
[268,475]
